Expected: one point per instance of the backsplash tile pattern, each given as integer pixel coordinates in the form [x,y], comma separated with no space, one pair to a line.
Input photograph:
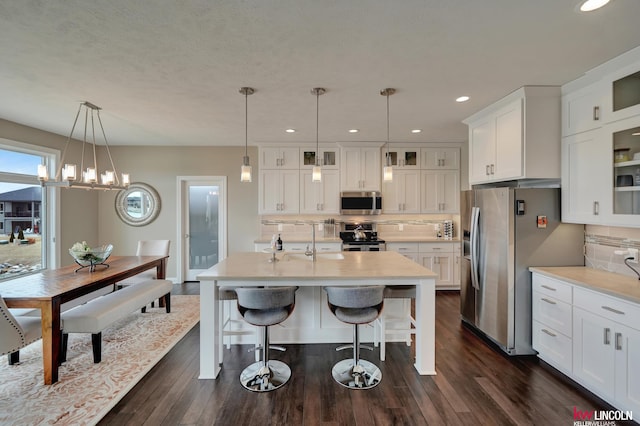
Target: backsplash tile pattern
[602,241]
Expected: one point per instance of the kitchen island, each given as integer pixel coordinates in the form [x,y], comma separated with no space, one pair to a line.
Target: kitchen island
[330,269]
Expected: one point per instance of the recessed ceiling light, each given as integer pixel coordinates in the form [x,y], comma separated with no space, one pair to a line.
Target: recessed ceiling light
[353,130]
[416,131]
[590,5]
[290,130]
[462,99]
[635,134]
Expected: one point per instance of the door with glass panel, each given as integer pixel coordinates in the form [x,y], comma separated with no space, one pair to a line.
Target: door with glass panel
[203,224]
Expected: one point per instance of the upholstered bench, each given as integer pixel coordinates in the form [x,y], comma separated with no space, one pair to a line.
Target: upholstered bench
[97,314]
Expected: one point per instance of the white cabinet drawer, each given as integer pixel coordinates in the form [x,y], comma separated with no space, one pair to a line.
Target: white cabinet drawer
[552,312]
[552,287]
[608,307]
[403,247]
[436,247]
[552,346]
[328,247]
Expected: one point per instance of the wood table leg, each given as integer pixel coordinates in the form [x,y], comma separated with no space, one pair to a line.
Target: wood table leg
[51,340]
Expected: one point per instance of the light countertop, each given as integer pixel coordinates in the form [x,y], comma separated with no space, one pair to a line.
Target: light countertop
[622,286]
[355,265]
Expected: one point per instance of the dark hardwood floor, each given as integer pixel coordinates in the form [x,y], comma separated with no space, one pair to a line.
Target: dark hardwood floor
[475,385]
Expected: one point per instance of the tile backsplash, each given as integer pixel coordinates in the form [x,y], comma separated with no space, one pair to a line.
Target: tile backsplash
[602,241]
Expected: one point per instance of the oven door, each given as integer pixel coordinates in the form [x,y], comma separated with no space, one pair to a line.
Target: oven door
[363,247]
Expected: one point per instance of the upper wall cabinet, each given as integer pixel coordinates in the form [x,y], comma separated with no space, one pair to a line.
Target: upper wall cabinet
[517,137]
[329,158]
[360,169]
[279,158]
[402,158]
[583,110]
[440,158]
[601,157]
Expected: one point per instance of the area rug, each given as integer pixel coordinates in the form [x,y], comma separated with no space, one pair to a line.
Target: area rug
[86,391]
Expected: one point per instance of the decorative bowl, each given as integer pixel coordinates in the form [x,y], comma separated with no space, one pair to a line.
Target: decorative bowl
[92,257]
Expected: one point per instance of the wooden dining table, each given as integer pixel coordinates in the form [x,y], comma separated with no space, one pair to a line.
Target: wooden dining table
[49,289]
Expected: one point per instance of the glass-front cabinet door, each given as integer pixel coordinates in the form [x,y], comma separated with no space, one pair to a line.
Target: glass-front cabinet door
[402,157]
[625,136]
[329,158]
[623,97]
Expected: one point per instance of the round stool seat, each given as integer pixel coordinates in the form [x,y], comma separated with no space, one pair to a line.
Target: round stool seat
[266,317]
[356,315]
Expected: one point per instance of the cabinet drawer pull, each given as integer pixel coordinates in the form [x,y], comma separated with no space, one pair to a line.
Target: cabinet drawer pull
[596,113]
[610,309]
[486,170]
[493,169]
[596,208]
[607,336]
[548,301]
[545,331]
[548,288]
[618,341]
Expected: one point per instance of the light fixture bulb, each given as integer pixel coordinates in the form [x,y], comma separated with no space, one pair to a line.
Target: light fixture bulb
[43,174]
[125,179]
[387,174]
[245,173]
[69,172]
[316,174]
[89,176]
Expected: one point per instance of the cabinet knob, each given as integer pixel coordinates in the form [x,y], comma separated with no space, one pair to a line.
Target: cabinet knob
[596,113]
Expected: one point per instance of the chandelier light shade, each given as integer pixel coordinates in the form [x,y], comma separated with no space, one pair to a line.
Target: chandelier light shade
[387,171]
[316,173]
[245,169]
[66,175]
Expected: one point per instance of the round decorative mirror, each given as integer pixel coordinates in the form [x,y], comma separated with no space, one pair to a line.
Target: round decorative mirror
[138,205]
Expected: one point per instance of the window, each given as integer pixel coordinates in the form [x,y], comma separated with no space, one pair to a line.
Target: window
[23,221]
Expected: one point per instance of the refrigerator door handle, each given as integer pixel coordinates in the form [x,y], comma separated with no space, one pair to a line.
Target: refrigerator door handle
[475,217]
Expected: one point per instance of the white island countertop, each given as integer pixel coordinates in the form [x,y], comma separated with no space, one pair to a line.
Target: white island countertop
[353,269]
[377,266]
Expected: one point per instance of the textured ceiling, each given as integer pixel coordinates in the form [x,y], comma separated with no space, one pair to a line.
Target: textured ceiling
[168,72]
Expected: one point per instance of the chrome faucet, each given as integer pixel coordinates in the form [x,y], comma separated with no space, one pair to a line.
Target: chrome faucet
[312,252]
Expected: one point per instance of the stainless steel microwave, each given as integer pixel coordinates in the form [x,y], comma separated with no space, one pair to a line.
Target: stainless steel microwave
[360,202]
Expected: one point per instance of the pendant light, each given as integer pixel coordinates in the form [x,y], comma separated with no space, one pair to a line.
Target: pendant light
[66,176]
[245,170]
[316,174]
[387,171]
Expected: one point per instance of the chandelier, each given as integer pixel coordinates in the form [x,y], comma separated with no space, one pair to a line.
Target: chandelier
[66,175]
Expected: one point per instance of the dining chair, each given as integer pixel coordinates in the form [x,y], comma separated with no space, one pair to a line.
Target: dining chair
[148,248]
[16,332]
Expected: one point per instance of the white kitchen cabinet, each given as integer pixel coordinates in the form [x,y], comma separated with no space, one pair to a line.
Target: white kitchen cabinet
[320,197]
[586,178]
[590,336]
[360,169]
[279,158]
[516,137]
[402,194]
[583,109]
[439,257]
[408,250]
[625,191]
[401,157]
[440,191]
[622,98]
[457,266]
[329,158]
[440,158]
[279,192]
[552,331]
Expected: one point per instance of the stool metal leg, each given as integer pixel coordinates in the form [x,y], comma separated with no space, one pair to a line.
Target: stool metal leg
[265,375]
[356,373]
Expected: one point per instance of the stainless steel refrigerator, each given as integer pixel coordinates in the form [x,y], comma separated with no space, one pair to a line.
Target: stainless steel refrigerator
[505,231]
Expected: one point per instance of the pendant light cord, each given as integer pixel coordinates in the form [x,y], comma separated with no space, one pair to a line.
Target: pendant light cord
[246,120]
[317,126]
[388,158]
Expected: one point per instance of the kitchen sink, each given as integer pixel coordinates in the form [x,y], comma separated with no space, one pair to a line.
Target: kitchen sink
[319,256]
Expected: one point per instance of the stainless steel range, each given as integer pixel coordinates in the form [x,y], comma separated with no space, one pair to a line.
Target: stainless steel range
[361,237]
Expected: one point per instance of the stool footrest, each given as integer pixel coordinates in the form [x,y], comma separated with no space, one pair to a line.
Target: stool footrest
[350,346]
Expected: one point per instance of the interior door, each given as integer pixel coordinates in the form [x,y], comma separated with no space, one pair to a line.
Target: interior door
[203,224]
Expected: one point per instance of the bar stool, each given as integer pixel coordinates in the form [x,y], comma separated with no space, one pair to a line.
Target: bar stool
[387,324]
[264,307]
[226,295]
[356,305]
